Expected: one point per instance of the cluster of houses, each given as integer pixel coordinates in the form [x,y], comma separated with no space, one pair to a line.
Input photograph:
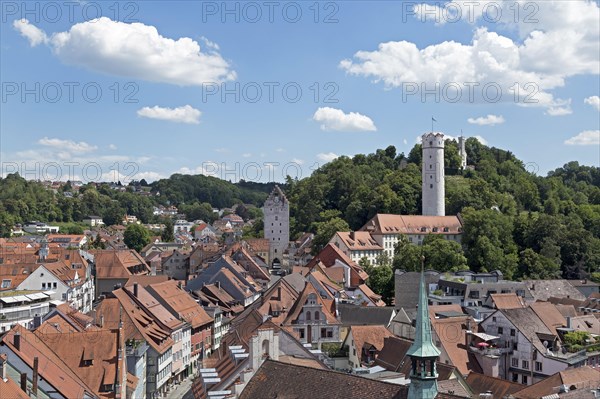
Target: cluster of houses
[116,323]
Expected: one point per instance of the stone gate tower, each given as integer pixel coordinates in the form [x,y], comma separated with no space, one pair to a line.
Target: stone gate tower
[277,225]
[433,189]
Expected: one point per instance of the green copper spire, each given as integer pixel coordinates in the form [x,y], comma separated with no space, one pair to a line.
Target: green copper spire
[423,353]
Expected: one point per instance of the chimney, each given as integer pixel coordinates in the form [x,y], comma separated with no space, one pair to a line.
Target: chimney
[35,376]
[279,293]
[24,382]
[218,284]
[101,321]
[135,289]
[352,235]
[17,341]
[568,321]
[180,284]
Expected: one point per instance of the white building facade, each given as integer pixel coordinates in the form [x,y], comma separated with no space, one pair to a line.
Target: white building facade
[433,188]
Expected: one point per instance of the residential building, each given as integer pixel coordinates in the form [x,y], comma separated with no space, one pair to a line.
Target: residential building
[532,350]
[386,229]
[358,245]
[114,267]
[364,344]
[22,307]
[93,221]
[172,296]
[35,227]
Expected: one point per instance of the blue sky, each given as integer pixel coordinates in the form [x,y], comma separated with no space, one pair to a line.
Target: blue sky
[362,68]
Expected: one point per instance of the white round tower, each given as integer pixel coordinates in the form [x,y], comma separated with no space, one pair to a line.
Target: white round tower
[434,192]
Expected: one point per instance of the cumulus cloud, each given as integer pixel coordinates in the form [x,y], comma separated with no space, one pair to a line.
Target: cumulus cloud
[67,145]
[32,33]
[336,119]
[297,161]
[327,156]
[559,111]
[185,114]
[112,147]
[134,51]
[587,137]
[526,70]
[489,120]
[481,140]
[594,101]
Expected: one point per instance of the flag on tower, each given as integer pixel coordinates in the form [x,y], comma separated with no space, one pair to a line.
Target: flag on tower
[433,119]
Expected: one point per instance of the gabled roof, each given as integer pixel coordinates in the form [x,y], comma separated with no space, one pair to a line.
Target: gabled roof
[278,300]
[297,308]
[119,264]
[100,346]
[51,366]
[412,224]
[359,241]
[498,387]
[393,353]
[373,335]
[544,289]
[328,257]
[139,323]
[507,301]
[306,382]
[361,315]
[452,332]
[549,315]
[574,378]
[180,302]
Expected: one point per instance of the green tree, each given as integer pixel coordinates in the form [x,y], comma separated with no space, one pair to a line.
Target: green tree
[167,235]
[136,237]
[381,281]
[325,231]
[443,255]
[536,267]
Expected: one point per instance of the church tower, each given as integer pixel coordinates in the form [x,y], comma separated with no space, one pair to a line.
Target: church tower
[462,152]
[277,225]
[423,353]
[433,189]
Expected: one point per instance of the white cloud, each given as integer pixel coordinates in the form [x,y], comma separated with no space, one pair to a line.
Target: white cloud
[405,141]
[527,69]
[112,147]
[327,156]
[559,111]
[594,101]
[490,120]
[587,137]
[185,114]
[32,33]
[481,140]
[222,150]
[336,119]
[297,161]
[280,150]
[209,43]
[247,155]
[132,50]
[67,145]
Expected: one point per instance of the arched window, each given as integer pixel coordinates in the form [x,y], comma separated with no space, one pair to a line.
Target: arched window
[265,348]
[317,315]
[308,316]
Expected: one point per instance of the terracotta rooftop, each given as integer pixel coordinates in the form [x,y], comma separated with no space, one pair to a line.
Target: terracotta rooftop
[52,367]
[180,302]
[301,382]
[507,301]
[359,241]
[574,378]
[373,335]
[499,388]
[412,224]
